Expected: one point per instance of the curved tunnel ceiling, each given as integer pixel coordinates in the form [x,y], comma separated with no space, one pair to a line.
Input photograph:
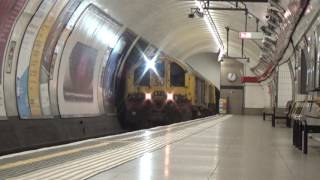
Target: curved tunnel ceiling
[166,24]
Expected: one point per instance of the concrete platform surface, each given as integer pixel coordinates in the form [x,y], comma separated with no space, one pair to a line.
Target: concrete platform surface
[219,147]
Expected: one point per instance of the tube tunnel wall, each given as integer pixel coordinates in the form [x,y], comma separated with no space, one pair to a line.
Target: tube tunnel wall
[60,61]
[52,55]
[64,73]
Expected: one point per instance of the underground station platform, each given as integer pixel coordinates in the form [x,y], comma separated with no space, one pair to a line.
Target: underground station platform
[229,147]
[160,89]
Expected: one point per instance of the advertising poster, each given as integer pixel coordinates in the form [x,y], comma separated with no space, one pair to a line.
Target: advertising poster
[51,62]
[24,57]
[11,56]
[77,87]
[9,12]
[94,34]
[35,61]
[116,58]
[223,106]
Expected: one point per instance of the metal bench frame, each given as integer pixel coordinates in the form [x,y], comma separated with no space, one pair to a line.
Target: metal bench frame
[301,131]
[274,117]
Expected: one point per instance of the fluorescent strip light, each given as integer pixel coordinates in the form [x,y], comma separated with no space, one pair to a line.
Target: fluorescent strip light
[211,26]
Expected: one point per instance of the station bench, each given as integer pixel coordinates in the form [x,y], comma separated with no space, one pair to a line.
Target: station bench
[285,115]
[279,114]
[267,112]
[303,124]
[301,131]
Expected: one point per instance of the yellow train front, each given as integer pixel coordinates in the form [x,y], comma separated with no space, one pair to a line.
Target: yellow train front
[162,90]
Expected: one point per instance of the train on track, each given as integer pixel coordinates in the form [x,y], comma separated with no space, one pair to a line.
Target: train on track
[70,71]
[161,90]
[76,60]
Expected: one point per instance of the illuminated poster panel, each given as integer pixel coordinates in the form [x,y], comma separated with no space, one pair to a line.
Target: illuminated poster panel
[78,86]
[35,63]
[24,57]
[51,62]
[11,56]
[9,12]
[111,70]
[93,36]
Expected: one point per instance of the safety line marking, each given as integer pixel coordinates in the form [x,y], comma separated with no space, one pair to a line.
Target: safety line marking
[50,156]
[121,136]
[90,165]
[72,151]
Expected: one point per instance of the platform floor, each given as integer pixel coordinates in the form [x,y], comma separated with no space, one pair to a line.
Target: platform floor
[222,147]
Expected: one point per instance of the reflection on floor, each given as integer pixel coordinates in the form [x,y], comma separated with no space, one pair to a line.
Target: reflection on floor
[240,148]
[219,147]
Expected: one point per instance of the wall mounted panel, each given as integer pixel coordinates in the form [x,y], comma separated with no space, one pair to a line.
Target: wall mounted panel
[91,41]
[12,52]
[51,63]
[9,12]
[24,57]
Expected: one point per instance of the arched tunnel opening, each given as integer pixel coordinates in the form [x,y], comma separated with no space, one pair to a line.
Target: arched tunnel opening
[149,89]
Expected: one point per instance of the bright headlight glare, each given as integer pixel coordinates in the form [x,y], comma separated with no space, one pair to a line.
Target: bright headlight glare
[170,96]
[148,96]
[150,63]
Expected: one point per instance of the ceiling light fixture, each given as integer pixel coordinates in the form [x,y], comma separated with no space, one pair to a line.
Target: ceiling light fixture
[211,26]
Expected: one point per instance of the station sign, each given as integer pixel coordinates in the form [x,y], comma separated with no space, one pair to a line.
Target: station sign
[250,35]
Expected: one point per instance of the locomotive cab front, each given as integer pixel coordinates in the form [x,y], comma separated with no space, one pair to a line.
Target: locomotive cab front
[157,92]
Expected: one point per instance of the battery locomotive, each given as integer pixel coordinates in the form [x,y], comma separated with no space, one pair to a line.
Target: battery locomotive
[161,90]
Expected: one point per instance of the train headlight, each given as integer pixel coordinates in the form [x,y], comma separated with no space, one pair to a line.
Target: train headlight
[148,96]
[150,64]
[170,96]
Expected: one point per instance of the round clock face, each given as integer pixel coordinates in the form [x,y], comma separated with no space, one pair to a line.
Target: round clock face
[232,77]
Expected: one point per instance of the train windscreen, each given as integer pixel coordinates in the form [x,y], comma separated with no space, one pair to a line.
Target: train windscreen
[177,75]
[142,77]
[160,69]
[157,75]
